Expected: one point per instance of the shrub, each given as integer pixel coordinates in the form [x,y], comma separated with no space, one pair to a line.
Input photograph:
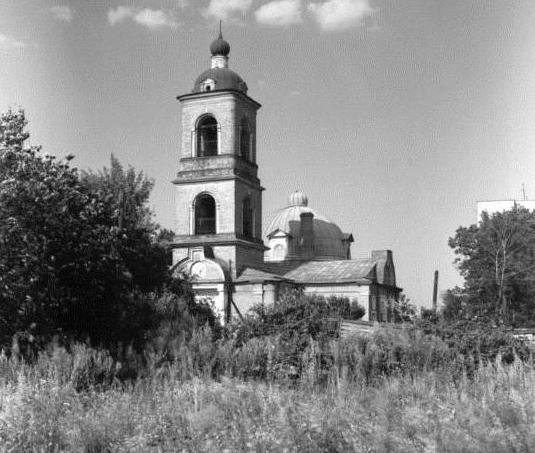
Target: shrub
[477,343]
[356,311]
[295,317]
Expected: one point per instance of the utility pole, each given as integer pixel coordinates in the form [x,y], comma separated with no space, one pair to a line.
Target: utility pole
[435,292]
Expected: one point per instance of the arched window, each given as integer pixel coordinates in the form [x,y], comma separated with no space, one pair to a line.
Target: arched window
[207,137]
[205,215]
[247,216]
[245,139]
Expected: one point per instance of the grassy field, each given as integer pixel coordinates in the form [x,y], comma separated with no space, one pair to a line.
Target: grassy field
[63,404]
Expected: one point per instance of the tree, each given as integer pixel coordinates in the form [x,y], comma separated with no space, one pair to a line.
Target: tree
[454,305]
[124,195]
[79,254]
[403,310]
[497,260]
[41,207]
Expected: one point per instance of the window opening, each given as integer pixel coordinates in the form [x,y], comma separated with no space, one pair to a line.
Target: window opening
[205,210]
[207,137]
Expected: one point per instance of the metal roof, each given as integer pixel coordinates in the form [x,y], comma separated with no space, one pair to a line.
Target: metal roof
[251,275]
[224,78]
[336,271]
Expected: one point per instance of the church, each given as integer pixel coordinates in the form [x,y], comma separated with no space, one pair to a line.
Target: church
[219,243]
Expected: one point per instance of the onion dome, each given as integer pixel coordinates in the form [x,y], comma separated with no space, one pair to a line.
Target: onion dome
[220,46]
[219,77]
[298,198]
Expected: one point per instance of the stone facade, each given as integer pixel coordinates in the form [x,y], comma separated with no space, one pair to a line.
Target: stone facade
[228,109]
[219,242]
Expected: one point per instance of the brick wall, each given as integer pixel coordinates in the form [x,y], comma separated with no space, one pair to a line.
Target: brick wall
[228,109]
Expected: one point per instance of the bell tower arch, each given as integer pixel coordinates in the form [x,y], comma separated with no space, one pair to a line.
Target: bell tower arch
[218,196]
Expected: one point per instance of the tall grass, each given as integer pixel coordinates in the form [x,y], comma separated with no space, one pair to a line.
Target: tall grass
[392,392]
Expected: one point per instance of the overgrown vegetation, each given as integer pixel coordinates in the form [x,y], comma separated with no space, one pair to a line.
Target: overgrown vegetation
[395,391]
[102,350]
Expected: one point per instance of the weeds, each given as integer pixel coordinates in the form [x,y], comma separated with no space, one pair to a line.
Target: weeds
[392,392]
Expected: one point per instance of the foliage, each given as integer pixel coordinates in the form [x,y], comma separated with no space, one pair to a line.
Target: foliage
[497,258]
[79,254]
[179,318]
[435,410]
[356,311]
[403,310]
[477,342]
[429,315]
[124,195]
[454,305]
[295,317]
[343,307]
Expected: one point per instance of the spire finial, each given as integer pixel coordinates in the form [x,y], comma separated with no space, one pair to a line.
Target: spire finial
[220,46]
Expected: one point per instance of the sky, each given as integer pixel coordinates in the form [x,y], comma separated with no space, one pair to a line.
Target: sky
[394,116]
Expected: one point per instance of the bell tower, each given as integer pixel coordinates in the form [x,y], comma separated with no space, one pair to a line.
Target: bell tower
[218,193]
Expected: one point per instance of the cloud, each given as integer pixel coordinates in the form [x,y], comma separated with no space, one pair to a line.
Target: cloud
[63,13]
[155,18]
[182,3]
[340,14]
[10,42]
[227,9]
[150,18]
[280,13]
[120,14]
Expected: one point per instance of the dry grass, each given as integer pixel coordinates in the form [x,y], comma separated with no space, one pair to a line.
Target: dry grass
[42,409]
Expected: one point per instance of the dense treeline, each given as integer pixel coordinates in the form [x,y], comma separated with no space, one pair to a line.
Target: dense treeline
[80,255]
[496,257]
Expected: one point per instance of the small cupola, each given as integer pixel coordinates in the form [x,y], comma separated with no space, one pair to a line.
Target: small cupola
[298,198]
[220,50]
[220,46]
[219,77]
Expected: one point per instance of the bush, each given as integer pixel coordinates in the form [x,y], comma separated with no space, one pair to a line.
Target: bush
[295,317]
[477,343]
[356,311]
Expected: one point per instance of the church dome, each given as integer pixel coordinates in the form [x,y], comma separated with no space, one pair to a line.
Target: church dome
[328,237]
[220,46]
[223,79]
